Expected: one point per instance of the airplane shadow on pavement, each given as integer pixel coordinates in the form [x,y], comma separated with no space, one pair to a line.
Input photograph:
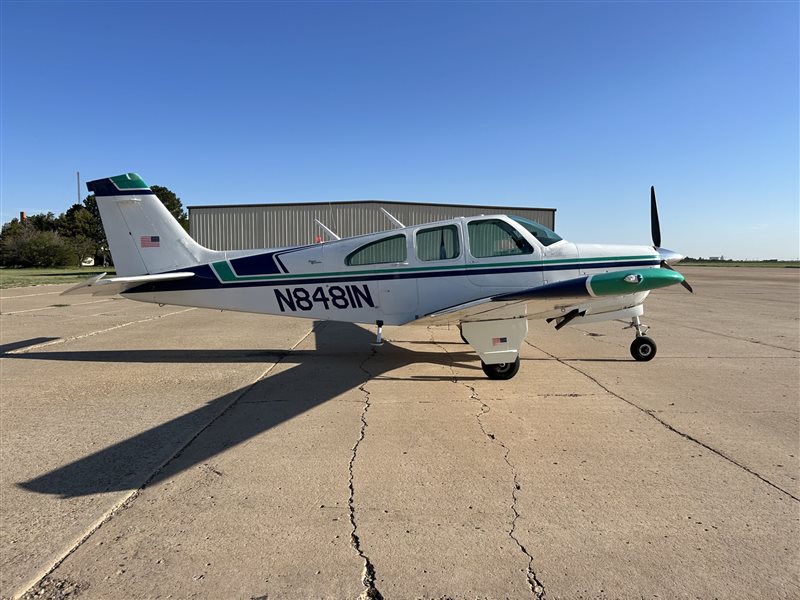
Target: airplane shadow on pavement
[342,361]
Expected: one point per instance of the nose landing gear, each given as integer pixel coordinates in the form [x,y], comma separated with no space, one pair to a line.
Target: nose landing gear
[643,348]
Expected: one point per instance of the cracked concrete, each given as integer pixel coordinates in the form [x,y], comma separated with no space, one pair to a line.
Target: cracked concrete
[368,578]
[652,413]
[536,586]
[402,470]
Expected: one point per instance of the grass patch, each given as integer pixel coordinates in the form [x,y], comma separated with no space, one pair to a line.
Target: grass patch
[11,278]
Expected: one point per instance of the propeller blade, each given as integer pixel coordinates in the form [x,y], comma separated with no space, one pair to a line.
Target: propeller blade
[655,228]
[684,283]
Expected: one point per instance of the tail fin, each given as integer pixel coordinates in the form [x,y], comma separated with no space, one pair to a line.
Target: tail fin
[144,238]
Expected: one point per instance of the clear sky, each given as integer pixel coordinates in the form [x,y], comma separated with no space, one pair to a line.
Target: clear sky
[576,106]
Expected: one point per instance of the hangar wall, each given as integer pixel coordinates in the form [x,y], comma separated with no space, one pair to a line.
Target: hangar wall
[245,226]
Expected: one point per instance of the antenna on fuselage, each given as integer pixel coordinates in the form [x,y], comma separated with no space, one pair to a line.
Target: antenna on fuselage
[327,229]
[391,218]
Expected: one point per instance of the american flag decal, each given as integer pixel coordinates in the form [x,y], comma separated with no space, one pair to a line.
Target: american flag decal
[498,341]
[150,241]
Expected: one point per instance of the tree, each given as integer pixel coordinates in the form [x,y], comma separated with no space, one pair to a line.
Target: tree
[103,255]
[173,204]
[13,228]
[43,222]
[22,245]
[78,228]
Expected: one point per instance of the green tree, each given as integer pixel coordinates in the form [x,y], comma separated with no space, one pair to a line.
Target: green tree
[22,245]
[98,233]
[12,228]
[43,222]
[173,204]
[78,228]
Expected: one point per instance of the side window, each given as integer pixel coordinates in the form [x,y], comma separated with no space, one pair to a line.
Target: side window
[387,250]
[438,243]
[493,237]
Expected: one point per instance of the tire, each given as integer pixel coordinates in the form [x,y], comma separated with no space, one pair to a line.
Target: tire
[501,371]
[643,348]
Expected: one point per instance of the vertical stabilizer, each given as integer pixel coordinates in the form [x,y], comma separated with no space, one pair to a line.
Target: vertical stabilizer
[143,236]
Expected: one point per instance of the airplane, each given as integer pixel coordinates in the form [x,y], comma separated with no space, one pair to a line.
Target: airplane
[489,275]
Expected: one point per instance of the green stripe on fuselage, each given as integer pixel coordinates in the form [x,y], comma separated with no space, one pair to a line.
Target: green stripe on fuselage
[227,275]
[224,271]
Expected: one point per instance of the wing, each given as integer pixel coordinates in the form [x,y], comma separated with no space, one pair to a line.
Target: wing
[589,294]
[98,286]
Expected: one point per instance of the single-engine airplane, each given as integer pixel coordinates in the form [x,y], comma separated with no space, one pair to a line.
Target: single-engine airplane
[488,274]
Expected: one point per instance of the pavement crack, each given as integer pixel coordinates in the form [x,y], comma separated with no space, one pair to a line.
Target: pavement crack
[535,585]
[368,576]
[653,415]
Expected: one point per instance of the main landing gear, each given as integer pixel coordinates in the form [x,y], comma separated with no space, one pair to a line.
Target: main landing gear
[643,348]
[501,370]
[497,342]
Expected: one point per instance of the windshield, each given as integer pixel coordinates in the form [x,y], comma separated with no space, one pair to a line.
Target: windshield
[540,232]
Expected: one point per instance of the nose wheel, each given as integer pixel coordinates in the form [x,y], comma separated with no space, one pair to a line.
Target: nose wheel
[643,348]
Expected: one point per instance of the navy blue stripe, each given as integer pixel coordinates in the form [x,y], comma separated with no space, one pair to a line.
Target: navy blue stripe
[571,288]
[281,265]
[260,264]
[205,278]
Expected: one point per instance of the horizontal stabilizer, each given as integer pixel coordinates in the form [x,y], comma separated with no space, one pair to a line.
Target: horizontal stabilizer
[99,286]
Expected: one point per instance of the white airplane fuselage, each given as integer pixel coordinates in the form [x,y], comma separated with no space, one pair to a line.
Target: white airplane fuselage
[315,281]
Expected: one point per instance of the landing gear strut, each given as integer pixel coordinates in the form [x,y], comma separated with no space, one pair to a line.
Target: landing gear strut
[379,334]
[643,348]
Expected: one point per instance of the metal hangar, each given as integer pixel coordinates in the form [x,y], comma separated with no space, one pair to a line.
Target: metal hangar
[245,226]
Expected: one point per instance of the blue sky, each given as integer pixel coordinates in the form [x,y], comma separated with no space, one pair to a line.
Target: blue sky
[576,106]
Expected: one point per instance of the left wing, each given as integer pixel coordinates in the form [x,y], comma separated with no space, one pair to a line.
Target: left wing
[553,299]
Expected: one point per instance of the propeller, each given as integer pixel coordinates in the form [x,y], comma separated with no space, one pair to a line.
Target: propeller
[667,256]
[655,228]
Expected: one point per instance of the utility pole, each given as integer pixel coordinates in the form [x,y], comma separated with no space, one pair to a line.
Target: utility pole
[79,187]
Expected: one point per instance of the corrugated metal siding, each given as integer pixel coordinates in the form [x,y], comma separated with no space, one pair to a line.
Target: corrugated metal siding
[240,227]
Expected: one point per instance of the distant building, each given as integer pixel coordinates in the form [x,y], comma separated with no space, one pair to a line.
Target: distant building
[716,258]
[245,226]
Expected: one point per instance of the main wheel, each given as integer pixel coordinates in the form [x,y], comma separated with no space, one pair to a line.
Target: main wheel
[643,348]
[501,370]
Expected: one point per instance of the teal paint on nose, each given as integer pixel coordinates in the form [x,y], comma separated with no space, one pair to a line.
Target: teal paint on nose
[629,282]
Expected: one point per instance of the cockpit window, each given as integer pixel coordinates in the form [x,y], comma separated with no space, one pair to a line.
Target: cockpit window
[388,250]
[438,243]
[493,237]
[540,232]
